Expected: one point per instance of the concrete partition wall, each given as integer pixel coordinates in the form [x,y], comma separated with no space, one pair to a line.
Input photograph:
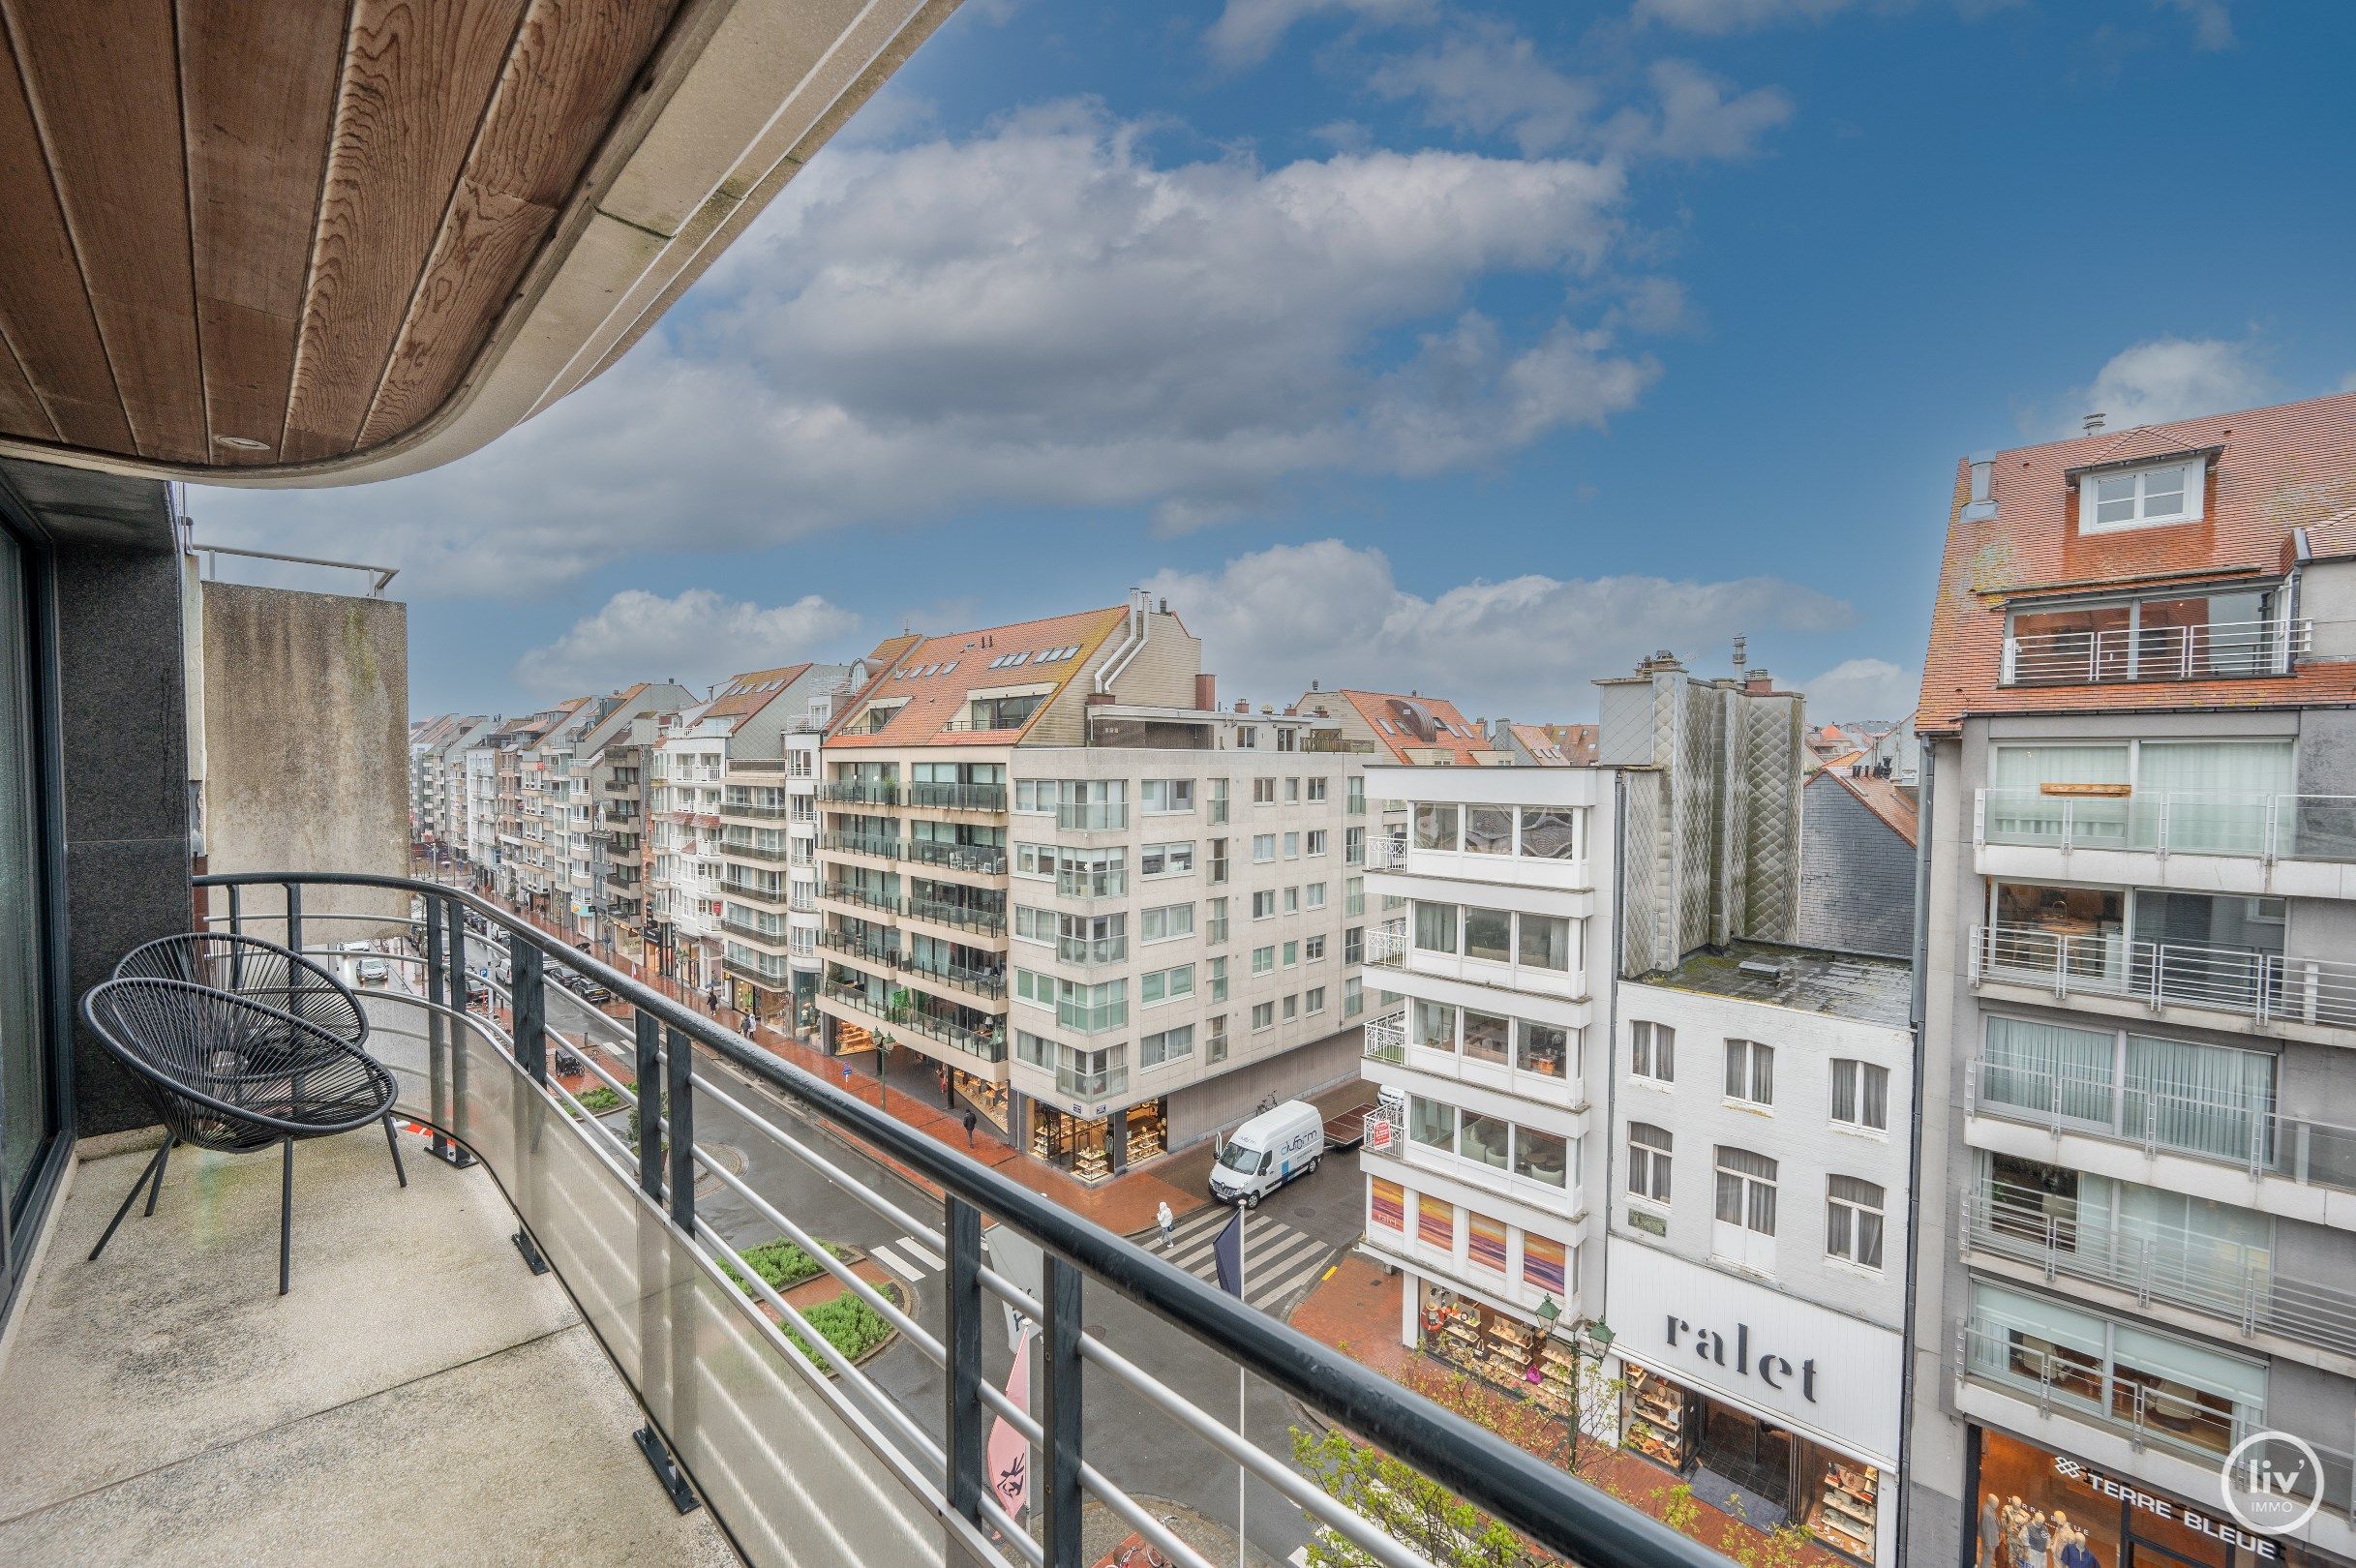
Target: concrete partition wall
[306,741]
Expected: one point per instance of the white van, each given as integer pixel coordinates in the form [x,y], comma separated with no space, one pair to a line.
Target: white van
[1268,1151]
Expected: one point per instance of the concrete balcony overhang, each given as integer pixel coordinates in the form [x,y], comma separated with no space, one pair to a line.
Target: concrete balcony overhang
[1415,881]
[2122,1161]
[1999,986]
[2177,871]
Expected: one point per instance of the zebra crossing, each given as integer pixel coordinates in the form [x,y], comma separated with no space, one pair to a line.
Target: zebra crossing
[1277,1259]
[911,1258]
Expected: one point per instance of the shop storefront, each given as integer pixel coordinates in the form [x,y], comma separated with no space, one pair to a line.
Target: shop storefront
[1510,1351]
[1147,1129]
[1774,1409]
[986,1096]
[2035,1507]
[1078,1144]
[1834,1497]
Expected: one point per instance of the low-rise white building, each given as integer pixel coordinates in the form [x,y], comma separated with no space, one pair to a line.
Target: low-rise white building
[1756,1256]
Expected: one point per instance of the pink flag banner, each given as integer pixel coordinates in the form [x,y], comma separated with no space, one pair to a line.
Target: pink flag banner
[1010,1452]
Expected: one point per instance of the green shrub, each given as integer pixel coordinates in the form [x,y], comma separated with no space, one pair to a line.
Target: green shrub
[847,1323]
[599,1098]
[780,1262]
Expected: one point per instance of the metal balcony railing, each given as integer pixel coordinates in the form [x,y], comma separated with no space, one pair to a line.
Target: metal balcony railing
[1386,1039]
[981,859]
[844,893]
[990,1047]
[989,983]
[2181,822]
[1386,946]
[882,848]
[778,852]
[859,792]
[2270,987]
[965,916]
[611,1203]
[873,952]
[757,810]
[774,976]
[1386,851]
[2222,649]
[951,796]
[2243,1131]
[755,893]
[753,931]
[2219,1278]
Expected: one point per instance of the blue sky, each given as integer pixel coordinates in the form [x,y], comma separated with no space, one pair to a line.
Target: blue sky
[1471,348]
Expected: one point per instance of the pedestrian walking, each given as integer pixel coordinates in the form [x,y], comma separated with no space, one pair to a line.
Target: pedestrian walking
[949,1100]
[1168,1223]
[971,1120]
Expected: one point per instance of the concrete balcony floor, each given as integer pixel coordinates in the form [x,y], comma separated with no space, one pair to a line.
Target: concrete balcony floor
[418,1397]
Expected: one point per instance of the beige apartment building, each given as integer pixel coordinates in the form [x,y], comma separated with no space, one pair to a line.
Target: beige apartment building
[1057,880]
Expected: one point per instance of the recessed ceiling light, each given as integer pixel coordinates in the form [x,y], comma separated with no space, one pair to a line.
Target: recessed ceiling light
[243,443]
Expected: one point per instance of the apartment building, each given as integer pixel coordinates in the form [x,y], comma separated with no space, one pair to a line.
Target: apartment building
[2140,962]
[593,807]
[1756,1261]
[1057,878]
[1616,1097]
[706,902]
[1482,1164]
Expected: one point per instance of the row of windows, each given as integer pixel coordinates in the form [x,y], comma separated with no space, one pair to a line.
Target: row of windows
[1266,901]
[1497,935]
[1543,1048]
[1170,797]
[1535,833]
[1860,1090]
[1749,1185]
[1528,1152]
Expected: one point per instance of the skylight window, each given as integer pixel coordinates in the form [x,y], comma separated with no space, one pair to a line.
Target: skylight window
[2141,498]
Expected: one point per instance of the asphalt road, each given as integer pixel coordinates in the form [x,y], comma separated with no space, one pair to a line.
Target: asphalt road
[1302,1227]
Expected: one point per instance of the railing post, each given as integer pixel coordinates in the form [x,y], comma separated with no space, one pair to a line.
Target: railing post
[649,1087]
[295,915]
[2069,825]
[1060,1415]
[963,1315]
[237,913]
[530,1004]
[438,1033]
[680,1108]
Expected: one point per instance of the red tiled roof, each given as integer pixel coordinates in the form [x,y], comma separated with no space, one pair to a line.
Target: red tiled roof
[2277,470]
[937,675]
[745,694]
[1391,718]
[1884,798]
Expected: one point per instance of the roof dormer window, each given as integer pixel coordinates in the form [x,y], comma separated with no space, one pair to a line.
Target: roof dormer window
[2141,498]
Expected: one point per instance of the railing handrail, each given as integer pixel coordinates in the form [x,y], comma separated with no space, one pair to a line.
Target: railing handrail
[2273,987]
[1497,1477]
[2117,654]
[2242,823]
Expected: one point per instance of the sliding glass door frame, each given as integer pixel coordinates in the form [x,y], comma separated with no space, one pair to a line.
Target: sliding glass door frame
[24,1212]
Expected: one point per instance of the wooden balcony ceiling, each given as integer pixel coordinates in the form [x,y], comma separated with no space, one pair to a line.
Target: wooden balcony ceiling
[248,235]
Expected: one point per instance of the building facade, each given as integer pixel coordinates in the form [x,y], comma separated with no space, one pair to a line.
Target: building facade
[1757,1251]
[1057,880]
[2140,994]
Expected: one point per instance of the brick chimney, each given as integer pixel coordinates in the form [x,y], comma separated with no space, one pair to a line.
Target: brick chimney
[1206,693]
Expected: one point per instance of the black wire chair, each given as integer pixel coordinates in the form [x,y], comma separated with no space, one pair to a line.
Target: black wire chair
[259,971]
[233,1076]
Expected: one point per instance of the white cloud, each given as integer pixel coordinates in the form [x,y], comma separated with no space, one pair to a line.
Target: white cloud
[1489,80]
[1485,79]
[1277,618]
[2170,378]
[1862,689]
[1703,116]
[2212,22]
[694,638]
[1248,31]
[1043,317]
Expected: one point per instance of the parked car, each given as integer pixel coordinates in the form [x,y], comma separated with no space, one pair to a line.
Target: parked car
[1268,1151]
[375,971]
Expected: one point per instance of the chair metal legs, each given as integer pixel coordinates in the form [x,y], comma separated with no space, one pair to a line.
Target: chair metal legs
[156,1191]
[286,1219]
[155,1168]
[394,1143]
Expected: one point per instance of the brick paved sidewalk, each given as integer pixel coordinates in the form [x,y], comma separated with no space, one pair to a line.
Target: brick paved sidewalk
[1356,1310]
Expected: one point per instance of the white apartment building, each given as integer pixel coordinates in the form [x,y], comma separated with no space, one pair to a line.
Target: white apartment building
[697,887]
[1112,918]
[1483,1163]
[1756,1263]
